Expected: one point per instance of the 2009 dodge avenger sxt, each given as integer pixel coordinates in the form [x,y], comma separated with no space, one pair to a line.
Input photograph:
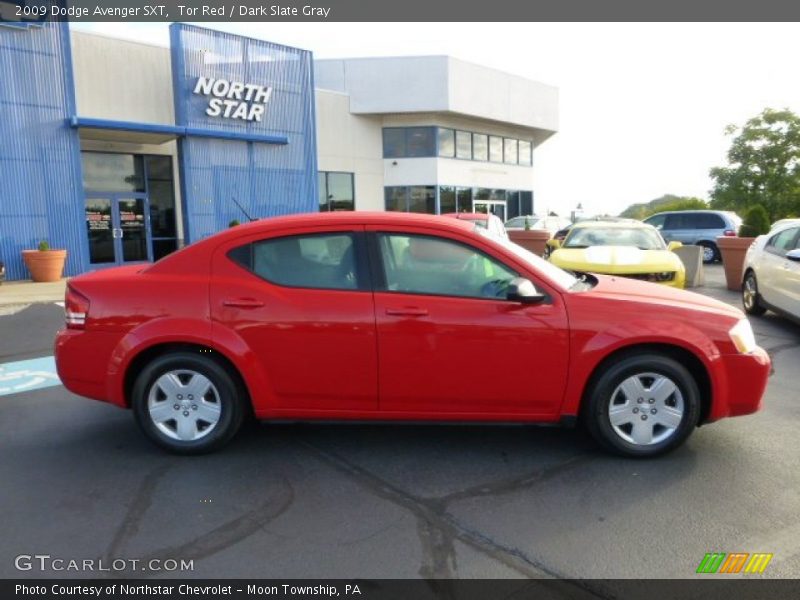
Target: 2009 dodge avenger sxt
[387,317]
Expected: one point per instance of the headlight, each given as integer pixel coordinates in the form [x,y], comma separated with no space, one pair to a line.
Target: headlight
[665,276]
[742,337]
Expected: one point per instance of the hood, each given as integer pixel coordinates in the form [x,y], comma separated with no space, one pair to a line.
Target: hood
[616,259]
[631,290]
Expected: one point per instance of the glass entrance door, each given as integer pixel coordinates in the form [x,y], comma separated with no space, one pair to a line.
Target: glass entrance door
[118,229]
[492,207]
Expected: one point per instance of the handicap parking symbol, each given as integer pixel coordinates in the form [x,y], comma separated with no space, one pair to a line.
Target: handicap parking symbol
[27,375]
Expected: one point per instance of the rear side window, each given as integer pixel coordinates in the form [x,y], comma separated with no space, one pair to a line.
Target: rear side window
[324,261]
[707,221]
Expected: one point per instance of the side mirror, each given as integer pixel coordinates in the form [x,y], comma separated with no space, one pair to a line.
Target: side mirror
[523,291]
[672,246]
[554,243]
[791,255]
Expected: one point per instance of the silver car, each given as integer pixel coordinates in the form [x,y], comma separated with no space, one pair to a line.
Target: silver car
[772,272]
[696,227]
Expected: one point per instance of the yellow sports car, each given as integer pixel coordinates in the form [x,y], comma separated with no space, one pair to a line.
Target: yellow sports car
[627,249]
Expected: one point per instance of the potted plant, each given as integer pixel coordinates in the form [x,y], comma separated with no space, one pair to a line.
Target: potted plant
[45,264]
[734,248]
[534,240]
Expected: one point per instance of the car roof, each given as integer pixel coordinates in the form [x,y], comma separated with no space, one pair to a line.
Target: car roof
[467,216]
[613,224]
[693,211]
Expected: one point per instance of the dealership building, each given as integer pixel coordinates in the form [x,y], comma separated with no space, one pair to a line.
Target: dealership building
[122,152]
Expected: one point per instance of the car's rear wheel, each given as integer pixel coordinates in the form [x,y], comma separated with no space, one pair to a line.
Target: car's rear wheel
[643,405]
[187,403]
[751,300]
[710,252]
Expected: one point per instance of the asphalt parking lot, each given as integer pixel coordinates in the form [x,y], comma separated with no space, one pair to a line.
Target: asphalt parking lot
[78,481]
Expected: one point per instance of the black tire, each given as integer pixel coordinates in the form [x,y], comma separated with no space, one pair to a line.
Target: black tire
[605,390]
[751,299]
[224,396]
[711,257]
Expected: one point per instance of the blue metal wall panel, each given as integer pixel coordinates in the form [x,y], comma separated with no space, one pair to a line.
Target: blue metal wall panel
[41,194]
[266,179]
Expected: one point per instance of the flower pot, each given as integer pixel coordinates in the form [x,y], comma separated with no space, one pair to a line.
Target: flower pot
[733,250]
[45,265]
[534,240]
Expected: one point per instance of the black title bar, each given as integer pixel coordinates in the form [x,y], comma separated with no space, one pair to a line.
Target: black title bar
[32,11]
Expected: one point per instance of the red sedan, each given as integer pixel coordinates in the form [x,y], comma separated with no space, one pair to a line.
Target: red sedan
[379,316]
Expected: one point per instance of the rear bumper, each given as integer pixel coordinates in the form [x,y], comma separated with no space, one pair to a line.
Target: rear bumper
[82,362]
[741,383]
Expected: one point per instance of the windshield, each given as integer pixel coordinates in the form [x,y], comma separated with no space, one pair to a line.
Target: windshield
[640,237]
[558,276]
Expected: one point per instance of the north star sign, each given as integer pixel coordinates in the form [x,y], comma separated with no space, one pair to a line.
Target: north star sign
[232,99]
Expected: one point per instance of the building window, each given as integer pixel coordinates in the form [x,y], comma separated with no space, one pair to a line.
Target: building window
[161,196]
[394,142]
[415,198]
[495,149]
[464,145]
[480,146]
[447,143]
[526,203]
[463,199]
[336,191]
[447,199]
[510,153]
[512,204]
[525,153]
[107,172]
[409,142]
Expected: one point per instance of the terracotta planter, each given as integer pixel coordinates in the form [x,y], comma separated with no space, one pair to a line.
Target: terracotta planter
[534,240]
[45,265]
[733,250]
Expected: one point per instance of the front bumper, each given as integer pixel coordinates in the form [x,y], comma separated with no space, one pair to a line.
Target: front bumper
[740,384]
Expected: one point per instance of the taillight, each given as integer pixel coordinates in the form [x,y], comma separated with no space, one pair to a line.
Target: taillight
[729,233]
[76,308]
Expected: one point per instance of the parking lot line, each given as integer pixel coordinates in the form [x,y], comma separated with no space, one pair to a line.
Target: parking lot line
[26,375]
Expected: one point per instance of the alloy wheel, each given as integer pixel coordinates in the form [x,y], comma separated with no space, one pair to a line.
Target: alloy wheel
[646,408]
[184,405]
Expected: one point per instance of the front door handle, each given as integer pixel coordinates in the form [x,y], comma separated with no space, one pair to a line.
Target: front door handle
[242,303]
[409,311]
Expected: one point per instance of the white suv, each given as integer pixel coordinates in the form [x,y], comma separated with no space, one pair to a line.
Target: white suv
[772,272]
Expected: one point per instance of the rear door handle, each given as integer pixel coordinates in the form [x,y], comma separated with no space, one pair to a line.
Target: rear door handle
[242,303]
[409,311]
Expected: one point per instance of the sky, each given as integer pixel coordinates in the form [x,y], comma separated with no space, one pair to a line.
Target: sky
[642,106]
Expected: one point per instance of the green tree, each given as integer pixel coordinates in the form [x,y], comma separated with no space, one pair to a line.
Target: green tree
[756,222]
[763,166]
[665,202]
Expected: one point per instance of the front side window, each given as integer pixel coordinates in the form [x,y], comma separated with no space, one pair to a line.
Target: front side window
[656,221]
[783,242]
[417,264]
[324,261]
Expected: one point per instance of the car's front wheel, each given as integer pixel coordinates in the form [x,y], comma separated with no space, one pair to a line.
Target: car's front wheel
[751,300]
[187,403]
[643,405]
